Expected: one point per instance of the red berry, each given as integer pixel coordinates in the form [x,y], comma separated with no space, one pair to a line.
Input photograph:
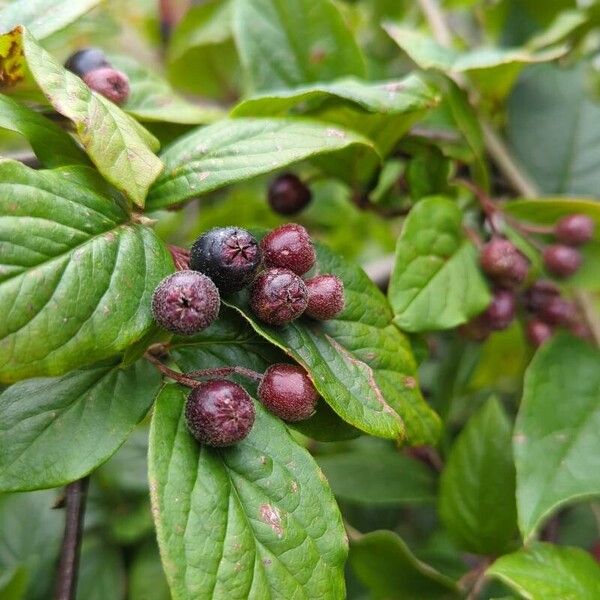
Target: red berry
[289,247]
[558,311]
[288,195]
[574,230]
[538,332]
[288,392]
[501,311]
[539,294]
[502,262]
[109,82]
[278,296]
[561,260]
[219,413]
[325,297]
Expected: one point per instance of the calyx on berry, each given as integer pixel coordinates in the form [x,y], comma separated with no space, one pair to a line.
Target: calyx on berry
[502,262]
[325,297]
[219,413]
[287,391]
[185,302]
[574,230]
[501,311]
[561,260]
[278,296]
[85,60]
[230,256]
[109,82]
[289,247]
[288,195]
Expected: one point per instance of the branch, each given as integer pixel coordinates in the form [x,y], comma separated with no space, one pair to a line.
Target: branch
[66,579]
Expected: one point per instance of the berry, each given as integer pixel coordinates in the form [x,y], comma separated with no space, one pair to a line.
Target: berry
[539,294]
[502,262]
[501,311]
[289,247]
[561,260]
[230,256]
[288,195]
[325,297]
[278,296]
[574,230]
[219,413]
[580,330]
[185,302]
[109,82]
[288,392]
[86,60]
[538,332]
[558,311]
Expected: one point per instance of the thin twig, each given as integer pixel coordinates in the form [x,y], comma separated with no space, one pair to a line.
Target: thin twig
[590,314]
[66,580]
[174,375]
[226,372]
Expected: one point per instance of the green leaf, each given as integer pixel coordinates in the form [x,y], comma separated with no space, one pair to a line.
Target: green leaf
[477,488]
[13,583]
[253,521]
[50,143]
[237,149]
[43,17]
[556,443]
[102,572]
[146,576]
[54,431]
[548,572]
[326,426]
[360,363]
[385,564]
[292,42]
[118,145]
[76,275]
[436,282]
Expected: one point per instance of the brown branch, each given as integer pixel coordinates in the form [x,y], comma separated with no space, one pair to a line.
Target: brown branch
[170,373]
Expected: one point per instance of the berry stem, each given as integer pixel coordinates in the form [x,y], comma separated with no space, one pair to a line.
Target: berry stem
[170,373]
[488,206]
[181,257]
[225,372]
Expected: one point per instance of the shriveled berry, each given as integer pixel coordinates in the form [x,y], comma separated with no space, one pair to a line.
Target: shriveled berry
[288,392]
[219,413]
[109,82]
[230,256]
[289,247]
[278,296]
[538,332]
[288,195]
[558,311]
[325,297]
[185,302]
[574,230]
[501,311]
[539,294]
[502,262]
[562,260]
[86,60]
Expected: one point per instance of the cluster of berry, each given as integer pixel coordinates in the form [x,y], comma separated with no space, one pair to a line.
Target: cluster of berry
[507,268]
[96,71]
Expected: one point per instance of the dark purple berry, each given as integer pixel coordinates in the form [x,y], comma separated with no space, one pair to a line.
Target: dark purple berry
[185,302]
[539,294]
[574,230]
[109,82]
[219,413]
[278,296]
[561,260]
[501,311]
[558,311]
[289,247]
[288,195]
[288,392]
[86,60]
[230,256]
[325,297]
[538,332]
[503,263]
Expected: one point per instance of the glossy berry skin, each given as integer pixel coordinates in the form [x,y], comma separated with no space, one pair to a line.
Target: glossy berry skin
[503,263]
[537,296]
[558,311]
[561,260]
[185,302]
[288,392]
[574,230]
[288,195]
[109,82]
[325,297]
[538,332]
[230,256]
[502,310]
[86,60]
[278,296]
[219,413]
[289,247]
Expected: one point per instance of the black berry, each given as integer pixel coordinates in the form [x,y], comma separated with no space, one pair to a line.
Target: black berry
[278,296]
[325,297]
[219,413]
[502,262]
[562,260]
[230,256]
[288,195]
[501,311]
[539,294]
[289,247]
[185,302]
[288,392]
[574,230]
[538,332]
[109,82]
[558,311]
[86,60]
